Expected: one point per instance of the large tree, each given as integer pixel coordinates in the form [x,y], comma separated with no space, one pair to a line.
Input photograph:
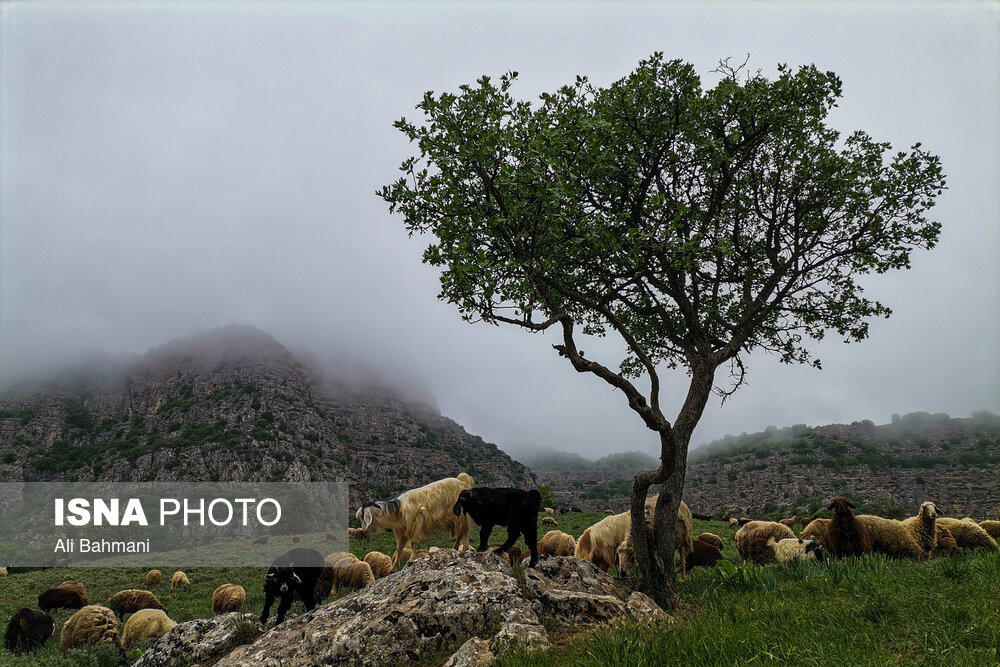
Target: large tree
[695,224]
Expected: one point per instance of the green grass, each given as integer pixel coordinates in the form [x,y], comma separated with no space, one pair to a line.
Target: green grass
[871,611]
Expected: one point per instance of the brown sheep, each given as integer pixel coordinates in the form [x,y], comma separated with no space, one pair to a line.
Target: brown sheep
[946,544]
[90,626]
[357,574]
[340,559]
[556,543]
[845,536]
[890,537]
[549,521]
[72,585]
[790,522]
[609,512]
[703,554]
[924,527]
[261,540]
[713,539]
[968,534]
[751,540]
[227,598]
[296,539]
[153,578]
[61,598]
[146,623]
[27,630]
[132,600]
[357,533]
[380,564]
[179,580]
[992,528]
[815,530]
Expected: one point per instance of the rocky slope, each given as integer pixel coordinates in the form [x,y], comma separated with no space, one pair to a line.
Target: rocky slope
[891,468]
[235,405]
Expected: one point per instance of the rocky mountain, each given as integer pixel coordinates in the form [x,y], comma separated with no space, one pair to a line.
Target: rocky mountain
[890,469]
[233,404]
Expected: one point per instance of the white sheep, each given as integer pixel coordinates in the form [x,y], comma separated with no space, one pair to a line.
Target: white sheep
[752,538]
[420,512]
[924,527]
[179,580]
[890,537]
[556,543]
[146,623]
[794,548]
[969,534]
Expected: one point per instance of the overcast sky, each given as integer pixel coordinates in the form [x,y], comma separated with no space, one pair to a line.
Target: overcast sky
[174,167]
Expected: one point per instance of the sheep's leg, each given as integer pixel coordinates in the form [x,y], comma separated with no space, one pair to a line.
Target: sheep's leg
[398,556]
[484,536]
[531,539]
[309,601]
[268,601]
[283,607]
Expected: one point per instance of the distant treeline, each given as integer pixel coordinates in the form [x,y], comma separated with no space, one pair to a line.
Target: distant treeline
[565,461]
[804,440]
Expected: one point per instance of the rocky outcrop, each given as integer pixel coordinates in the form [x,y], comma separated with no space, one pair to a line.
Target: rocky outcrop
[471,604]
[201,642]
[235,405]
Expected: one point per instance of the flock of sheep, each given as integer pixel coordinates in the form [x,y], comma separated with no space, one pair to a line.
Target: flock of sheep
[451,505]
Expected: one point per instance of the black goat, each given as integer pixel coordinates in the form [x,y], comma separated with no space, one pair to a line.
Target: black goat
[514,508]
[27,630]
[294,574]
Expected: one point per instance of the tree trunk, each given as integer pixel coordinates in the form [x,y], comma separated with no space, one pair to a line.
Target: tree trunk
[654,550]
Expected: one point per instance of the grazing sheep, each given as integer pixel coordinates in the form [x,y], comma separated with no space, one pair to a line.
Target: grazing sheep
[744,520]
[968,534]
[417,513]
[609,512]
[27,630]
[816,530]
[3,572]
[602,543]
[294,575]
[794,548]
[357,533]
[713,539]
[380,564]
[153,578]
[806,520]
[146,623]
[357,574]
[516,509]
[946,544]
[296,539]
[703,554]
[72,585]
[90,626]
[790,522]
[992,528]
[61,598]
[890,537]
[227,598]
[845,535]
[549,521]
[179,580]
[751,540]
[548,510]
[132,600]
[564,510]
[733,522]
[924,527]
[261,540]
[556,543]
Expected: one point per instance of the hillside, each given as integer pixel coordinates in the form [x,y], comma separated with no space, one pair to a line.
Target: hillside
[233,404]
[892,468]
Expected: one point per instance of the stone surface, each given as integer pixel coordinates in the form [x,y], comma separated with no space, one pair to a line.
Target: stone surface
[574,591]
[474,653]
[201,642]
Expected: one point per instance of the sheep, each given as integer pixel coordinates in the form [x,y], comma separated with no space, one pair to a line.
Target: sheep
[790,522]
[3,571]
[703,554]
[549,521]
[682,533]
[227,598]
[845,535]
[734,522]
[713,539]
[340,559]
[380,564]
[261,540]
[946,544]
[815,530]
[751,540]
[890,537]
[146,623]
[992,528]
[90,626]
[968,534]
[548,510]
[27,630]
[924,527]
[293,575]
[356,574]
[795,548]
[609,512]
[556,543]
[357,533]
[60,598]
[514,555]
[153,578]
[179,580]
[72,585]
[132,600]
[296,539]
[420,512]
[603,545]
[516,509]
[744,520]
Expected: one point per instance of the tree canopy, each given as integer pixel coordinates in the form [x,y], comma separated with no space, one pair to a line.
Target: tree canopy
[695,223]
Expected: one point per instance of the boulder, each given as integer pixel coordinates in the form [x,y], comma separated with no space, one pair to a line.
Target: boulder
[201,642]
[574,591]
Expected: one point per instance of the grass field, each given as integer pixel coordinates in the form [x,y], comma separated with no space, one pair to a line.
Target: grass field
[871,611]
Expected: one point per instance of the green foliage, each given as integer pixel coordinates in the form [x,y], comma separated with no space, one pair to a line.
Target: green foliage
[78,416]
[548,498]
[615,488]
[24,415]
